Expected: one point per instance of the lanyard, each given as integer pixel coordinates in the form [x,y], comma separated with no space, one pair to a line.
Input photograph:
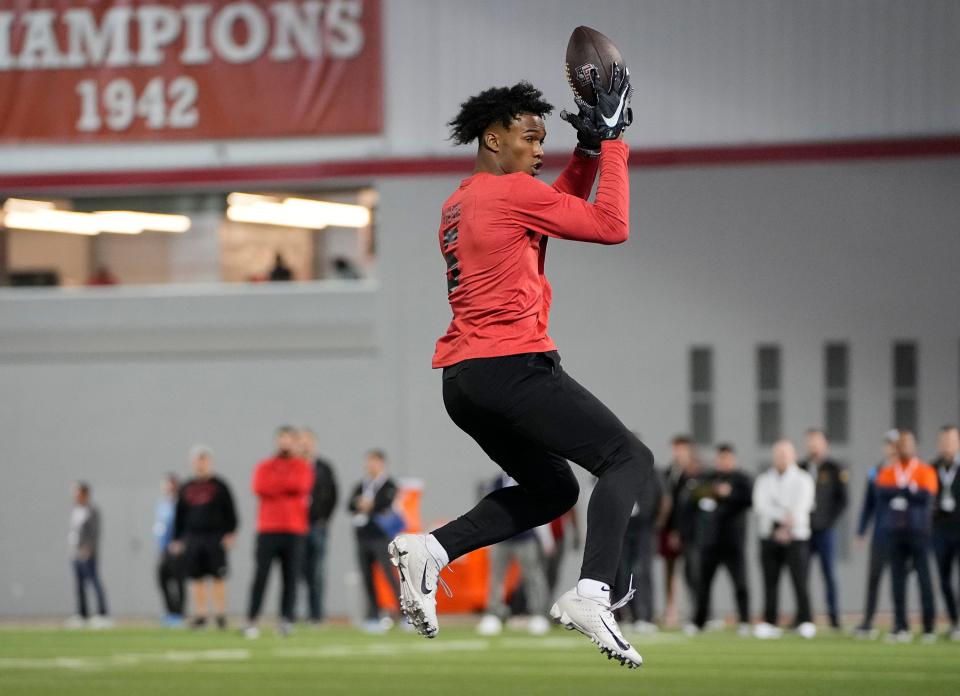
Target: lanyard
[904,474]
[947,476]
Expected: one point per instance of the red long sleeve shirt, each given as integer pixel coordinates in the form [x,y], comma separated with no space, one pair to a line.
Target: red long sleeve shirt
[493,236]
[283,485]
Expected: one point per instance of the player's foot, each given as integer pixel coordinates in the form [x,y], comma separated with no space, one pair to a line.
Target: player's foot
[221,623]
[745,630]
[716,625]
[198,622]
[864,632]
[928,638]
[251,632]
[490,625]
[766,631]
[284,629]
[594,618]
[691,629]
[955,634]
[807,630]
[538,625]
[419,579]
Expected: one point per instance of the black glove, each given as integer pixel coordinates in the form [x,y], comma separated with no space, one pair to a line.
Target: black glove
[612,112]
[588,135]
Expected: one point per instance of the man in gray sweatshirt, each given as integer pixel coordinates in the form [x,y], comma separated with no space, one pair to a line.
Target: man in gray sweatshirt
[84,539]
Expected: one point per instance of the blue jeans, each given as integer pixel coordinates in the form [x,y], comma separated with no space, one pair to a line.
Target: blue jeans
[85,571]
[823,543]
[314,555]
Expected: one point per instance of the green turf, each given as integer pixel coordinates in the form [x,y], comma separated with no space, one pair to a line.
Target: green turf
[142,662]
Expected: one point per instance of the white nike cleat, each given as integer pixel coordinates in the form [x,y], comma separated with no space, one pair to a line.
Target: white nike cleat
[419,579]
[594,619]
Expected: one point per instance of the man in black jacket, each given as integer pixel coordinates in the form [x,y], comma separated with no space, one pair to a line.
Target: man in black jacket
[371,503]
[204,529]
[830,501]
[946,519]
[323,501]
[722,499]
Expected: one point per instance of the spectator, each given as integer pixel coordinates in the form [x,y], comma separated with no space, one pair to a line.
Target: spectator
[323,501]
[371,504]
[946,520]
[681,448]
[879,541]
[281,271]
[906,489]
[526,550]
[169,566]
[782,500]
[636,558]
[204,530]
[722,503]
[84,541]
[685,534]
[830,500]
[283,484]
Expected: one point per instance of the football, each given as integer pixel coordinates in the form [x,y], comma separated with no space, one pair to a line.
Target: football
[588,49]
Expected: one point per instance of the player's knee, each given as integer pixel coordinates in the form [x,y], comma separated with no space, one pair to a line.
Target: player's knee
[567,492]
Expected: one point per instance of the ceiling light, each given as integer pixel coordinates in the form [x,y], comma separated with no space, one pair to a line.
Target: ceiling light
[305,213]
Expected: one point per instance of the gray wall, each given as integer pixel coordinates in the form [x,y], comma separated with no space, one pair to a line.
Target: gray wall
[115,384]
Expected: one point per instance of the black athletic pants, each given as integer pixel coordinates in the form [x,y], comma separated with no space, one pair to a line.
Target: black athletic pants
[796,556]
[906,546]
[946,549]
[530,416]
[879,557]
[372,549]
[732,556]
[170,579]
[287,548]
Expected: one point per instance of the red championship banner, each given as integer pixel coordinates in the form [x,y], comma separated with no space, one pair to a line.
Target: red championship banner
[116,70]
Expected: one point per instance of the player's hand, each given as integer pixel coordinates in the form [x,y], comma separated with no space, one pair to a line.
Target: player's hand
[175,547]
[227,541]
[588,135]
[612,114]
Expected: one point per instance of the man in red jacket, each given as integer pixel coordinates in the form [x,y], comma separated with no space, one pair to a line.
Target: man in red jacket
[502,380]
[283,484]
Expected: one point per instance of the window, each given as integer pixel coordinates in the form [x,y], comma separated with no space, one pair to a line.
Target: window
[836,409]
[905,395]
[701,395]
[769,408]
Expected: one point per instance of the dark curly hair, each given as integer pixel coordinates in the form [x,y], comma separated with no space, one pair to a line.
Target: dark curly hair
[496,104]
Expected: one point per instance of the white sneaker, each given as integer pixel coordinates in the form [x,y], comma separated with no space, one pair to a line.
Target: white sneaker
[716,625]
[645,627]
[745,630]
[766,631]
[899,637]
[99,623]
[807,630]
[955,634]
[419,578]
[594,619]
[690,629]
[75,622]
[251,633]
[538,625]
[490,625]
[928,638]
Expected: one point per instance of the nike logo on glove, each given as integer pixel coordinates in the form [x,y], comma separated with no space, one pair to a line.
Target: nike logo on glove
[612,121]
[623,646]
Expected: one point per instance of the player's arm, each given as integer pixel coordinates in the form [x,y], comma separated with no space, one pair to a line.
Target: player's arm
[578,176]
[544,209]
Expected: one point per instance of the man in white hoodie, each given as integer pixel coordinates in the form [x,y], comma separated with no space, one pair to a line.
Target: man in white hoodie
[783,498]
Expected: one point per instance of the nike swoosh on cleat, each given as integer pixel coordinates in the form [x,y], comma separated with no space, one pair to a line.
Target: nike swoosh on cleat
[623,646]
[423,581]
[612,121]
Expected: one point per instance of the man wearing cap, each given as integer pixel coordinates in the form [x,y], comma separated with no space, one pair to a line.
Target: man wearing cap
[879,555]
[946,519]
[204,529]
[830,500]
[906,490]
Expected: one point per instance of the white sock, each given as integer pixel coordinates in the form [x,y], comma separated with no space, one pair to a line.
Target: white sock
[434,547]
[594,589]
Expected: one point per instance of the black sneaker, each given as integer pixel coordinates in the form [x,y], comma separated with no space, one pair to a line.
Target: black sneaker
[198,622]
[222,623]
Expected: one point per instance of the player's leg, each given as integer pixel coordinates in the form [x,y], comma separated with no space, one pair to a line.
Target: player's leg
[263,558]
[736,562]
[798,564]
[943,551]
[771,562]
[898,571]
[97,585]
[289,550]
[827,551]
[708,569]
[365,559]
[919,549]
[530,557]
[79,576]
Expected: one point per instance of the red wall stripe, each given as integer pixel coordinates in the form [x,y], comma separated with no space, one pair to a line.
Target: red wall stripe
[304,174]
